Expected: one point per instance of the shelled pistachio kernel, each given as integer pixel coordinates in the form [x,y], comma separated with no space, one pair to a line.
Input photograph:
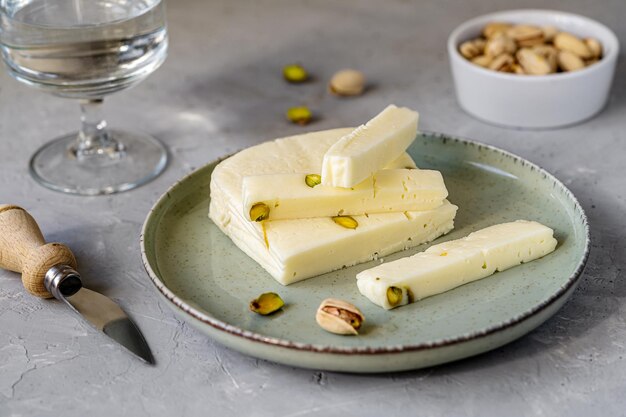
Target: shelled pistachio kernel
[295,73]
[313,179]
[259,212]
[299,115]
[266,303]
[339,317]
[347,82]
[394,296]
[346,221]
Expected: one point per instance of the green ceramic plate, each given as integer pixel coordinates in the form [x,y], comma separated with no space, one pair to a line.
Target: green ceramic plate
[208,281]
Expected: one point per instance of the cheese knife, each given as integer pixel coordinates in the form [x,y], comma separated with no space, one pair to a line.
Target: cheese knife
[49,270]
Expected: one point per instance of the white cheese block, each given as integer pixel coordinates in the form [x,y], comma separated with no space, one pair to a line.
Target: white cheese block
[370,147]
[287,196]
[448,265]
[292,250]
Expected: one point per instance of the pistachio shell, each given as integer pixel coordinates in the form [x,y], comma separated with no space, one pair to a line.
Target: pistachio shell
[482,60]
[526,35]
[569,61]
[567,42]
[594,46]
[480,43]
[469,50]
[495,27]
[347,82]
[549,32]
[532,62]
[502,63]
[500,44]
[517,69]
[549,53]
[339,317]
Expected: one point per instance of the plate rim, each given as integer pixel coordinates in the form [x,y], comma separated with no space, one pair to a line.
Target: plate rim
[250,336]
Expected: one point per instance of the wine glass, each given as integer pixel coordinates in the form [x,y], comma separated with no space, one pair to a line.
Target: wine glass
[86,49]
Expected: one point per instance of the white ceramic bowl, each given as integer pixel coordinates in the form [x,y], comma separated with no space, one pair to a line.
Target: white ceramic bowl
[534,102]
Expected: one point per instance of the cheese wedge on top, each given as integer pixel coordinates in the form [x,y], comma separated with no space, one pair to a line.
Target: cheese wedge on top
[292,250]
[370,147]
[448,265]
[288,196]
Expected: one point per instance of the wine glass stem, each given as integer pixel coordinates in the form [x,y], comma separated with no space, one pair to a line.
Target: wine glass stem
[94,140]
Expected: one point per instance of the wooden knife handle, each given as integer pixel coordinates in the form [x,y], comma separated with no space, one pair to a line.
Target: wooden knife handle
[24,249]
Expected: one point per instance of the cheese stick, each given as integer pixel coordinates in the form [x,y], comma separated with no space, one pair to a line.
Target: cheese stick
[370,147]
[448,265]
[293,196]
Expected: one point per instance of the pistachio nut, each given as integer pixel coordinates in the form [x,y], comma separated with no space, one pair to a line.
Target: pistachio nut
[347,82]
[313,179]
[517,69]
[469,50]
[482,60]
[299,115]
[569,61]
[495,27]
[394,296]
[480,44]
[259,212]
[266,303]
[502,63]
[500,44]
[532,62]
[595,47]
[549,32]
[549,53]
[567,42]
[295,73]
[346,221]
[526,35]
[339,317]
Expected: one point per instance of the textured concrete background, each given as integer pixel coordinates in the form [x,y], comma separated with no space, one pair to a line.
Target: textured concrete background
[221,90]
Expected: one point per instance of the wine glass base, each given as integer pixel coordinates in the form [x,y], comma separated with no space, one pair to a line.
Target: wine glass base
[57,166]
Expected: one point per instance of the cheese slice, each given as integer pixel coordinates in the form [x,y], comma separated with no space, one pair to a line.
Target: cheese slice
[288,196]
[370,147]
[448,265]
[292,250]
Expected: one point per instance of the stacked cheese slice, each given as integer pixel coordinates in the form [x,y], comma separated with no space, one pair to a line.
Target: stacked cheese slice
[395,205]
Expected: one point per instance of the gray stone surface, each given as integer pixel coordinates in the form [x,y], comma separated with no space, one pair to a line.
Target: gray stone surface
[221,90]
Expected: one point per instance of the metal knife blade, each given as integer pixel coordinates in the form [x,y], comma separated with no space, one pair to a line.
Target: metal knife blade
[105,315]
[49,270]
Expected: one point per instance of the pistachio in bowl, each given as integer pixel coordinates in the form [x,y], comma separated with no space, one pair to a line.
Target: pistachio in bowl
[532,69]
[530,50]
